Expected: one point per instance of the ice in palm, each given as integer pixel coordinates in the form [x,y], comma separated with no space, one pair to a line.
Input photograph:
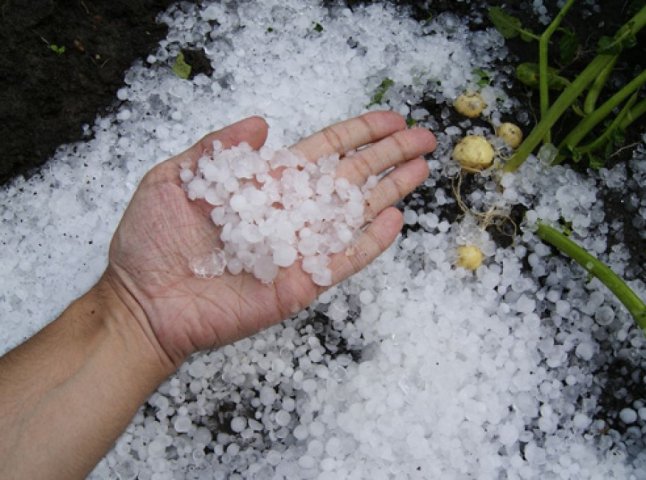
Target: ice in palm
[412,369]
[274,207]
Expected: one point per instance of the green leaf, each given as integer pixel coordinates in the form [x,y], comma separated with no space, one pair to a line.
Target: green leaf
[181,68]
[635,6]
[410,122]
[605,44]
[508,25]
[58,49]
[614,45]
[617,138]
[528,73]
[595,162]
[575,155]
[527,35]
[566,227]
[318,27]
[483,77]
[568,46]
[381,90]
[576,108]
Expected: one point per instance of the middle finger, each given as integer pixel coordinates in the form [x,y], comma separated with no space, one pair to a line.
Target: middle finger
[375,159]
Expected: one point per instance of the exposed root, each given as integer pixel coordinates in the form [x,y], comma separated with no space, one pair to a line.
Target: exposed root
[494,216]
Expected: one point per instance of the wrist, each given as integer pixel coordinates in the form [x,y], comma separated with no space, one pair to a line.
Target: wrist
[96,357]
[127,326]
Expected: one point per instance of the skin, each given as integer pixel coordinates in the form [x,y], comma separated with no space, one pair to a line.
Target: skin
[67,393]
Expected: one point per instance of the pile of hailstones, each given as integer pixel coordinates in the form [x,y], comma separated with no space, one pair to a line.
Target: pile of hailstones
[274,207]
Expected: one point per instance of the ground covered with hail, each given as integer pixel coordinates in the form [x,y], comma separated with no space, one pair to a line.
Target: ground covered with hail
[525,367]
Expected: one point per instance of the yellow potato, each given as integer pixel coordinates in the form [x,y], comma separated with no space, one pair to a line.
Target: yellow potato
[469,104]
[469,257]
[511,134]
[473,153]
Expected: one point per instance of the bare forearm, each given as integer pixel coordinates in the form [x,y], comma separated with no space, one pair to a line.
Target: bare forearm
[67,393]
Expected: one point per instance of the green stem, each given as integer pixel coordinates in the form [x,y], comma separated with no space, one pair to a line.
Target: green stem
[570,94]
[543,69]
[634,113]
[562,103]
[627,33]
[588,123]
[615,125]
[597,86]
[594,266]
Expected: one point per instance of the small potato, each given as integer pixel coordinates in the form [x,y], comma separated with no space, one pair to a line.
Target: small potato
[511,134]
[473,153]
[469,257]
[470,104]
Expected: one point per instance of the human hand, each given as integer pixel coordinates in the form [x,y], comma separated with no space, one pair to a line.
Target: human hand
[162,230]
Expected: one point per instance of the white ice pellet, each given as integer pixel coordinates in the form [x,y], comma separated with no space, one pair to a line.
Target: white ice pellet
[300,432]
[182,424]
[288,404]
[307,461]
[238,424]
[410,217]
[208,266]
[309,385]
[562,307]
[508,434]
[584,351]
[642,413]
[525,304]
[581,421]
[366,297]
[273,457]
[285,255]
[197,369]
[604,315]
[419,114]
[628,415]
[316,429]
[264,268]
[322,277]
[186,175]
[267,395]
[283,418]
[270,222]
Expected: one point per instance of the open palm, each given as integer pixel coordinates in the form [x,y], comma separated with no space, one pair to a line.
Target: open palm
[162,230]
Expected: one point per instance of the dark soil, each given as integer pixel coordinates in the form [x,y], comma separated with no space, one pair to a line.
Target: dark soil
[61,63]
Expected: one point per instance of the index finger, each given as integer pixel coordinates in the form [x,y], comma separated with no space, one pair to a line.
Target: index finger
[351,134]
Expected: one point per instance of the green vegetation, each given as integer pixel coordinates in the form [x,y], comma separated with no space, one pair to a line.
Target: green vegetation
[595,267]
[600,125]
[180,67]
[510,26]
[483,78]
[378,96]
[58,49]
